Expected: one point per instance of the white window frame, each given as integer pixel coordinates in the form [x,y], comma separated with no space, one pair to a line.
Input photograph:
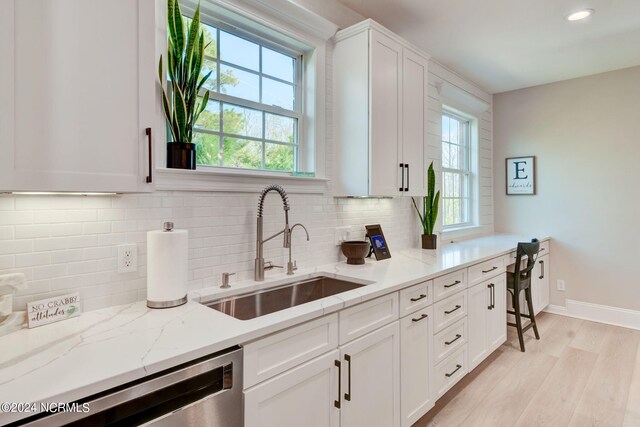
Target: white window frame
[469,173]
[298,84]
[278,20]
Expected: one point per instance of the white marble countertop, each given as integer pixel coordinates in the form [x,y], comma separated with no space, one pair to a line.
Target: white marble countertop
[101,349]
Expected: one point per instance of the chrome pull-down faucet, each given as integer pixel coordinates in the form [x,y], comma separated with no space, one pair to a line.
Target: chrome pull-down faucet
[259,261]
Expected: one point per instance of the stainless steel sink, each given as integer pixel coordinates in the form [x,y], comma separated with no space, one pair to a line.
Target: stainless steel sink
[259,303]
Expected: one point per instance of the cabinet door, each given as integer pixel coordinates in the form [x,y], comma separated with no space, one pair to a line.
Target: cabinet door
[77,84]
[497,317]
[541,279]
[303,396]
[385,71]
[414,121]
[478,313]
[371,379]
[416,332]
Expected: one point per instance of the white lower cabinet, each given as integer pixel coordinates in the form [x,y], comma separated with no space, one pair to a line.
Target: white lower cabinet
[487,321]
[302,396]
[540,291]
[371,379]
[416,361]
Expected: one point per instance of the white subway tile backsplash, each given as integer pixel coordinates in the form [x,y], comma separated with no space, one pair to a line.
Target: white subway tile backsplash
[7,262]
[33,259]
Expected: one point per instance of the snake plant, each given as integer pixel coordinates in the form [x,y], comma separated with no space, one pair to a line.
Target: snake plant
[430,204]
[185,55]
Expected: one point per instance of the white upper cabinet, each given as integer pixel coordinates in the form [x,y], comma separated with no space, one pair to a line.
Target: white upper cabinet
[380,96]
[77,93]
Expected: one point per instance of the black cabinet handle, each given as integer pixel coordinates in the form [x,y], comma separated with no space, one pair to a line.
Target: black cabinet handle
[150,176]
[457,282]
[454,371]
[406,165]
[458,336]
[451,311]
[347,395]
[493,296]
[422,296]
[336,403]
[424,316]
[490,306]
[541,270]
[490,270]
[402,169]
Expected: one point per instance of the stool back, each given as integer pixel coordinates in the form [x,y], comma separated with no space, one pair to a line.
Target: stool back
[530,250]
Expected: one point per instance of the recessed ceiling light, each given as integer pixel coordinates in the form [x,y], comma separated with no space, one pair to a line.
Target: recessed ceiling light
[580,14]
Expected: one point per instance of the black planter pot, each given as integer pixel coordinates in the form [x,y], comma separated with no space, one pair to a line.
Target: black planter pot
[181,155]
[429,241]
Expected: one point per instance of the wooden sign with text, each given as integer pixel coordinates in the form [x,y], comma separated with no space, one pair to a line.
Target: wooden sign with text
[53,309]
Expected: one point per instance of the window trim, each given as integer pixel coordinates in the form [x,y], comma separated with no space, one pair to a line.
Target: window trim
[309,31]
[470,172]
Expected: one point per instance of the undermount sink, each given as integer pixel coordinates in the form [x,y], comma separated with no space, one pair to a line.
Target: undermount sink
[258,303]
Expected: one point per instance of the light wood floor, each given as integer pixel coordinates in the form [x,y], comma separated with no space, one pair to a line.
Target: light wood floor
[579,374]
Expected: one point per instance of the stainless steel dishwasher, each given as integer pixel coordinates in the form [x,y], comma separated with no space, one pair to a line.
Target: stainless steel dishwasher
[205,392]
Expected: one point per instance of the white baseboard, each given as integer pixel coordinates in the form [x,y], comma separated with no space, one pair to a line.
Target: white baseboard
[598,313]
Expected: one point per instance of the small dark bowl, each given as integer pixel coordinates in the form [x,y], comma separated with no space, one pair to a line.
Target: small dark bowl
[355,251]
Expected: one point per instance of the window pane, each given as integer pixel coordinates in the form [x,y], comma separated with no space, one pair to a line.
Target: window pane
[280,128]
[242,153]
[453,130]
[445,128]
[279,157]
[207,149]
[277,65]
[454,153]
[212,82]
[210,37]
[239,83]
[242,121]
[446,155]
[277,93]
[239,51]
[210,118]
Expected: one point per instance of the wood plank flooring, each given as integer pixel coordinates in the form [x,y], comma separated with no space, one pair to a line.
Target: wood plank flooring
[579,373]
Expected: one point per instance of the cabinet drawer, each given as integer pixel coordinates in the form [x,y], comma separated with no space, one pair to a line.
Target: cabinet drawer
[544,248]
[449,311]
[486,270]
[450,371]
[449,340]
[449,284]
[281,351]
[416,297]
[362,318]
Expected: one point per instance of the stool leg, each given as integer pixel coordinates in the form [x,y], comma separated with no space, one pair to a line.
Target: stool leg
[516,308]
[527,294]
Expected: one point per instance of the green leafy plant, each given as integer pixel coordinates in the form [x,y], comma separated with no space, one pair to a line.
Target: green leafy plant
[185,55]
[430,203]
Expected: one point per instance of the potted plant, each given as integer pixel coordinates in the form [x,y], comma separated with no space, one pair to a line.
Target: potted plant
[430,211]
[185,56]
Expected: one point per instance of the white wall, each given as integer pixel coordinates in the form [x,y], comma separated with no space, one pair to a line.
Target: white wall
[584,134]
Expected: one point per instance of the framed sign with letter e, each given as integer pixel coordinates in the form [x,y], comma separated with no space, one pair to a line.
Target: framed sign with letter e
[521,176]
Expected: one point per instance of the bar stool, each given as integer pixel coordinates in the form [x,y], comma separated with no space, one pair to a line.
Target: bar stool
[518,280]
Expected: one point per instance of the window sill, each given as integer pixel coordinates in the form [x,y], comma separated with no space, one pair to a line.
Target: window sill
[458,233]
[235,181]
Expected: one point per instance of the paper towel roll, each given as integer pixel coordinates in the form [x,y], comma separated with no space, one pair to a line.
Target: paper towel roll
[167,252]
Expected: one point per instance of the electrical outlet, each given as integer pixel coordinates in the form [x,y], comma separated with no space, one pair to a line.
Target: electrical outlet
[127,258]
[560,285]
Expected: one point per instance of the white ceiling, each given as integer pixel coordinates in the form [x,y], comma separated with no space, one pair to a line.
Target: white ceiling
[504,45]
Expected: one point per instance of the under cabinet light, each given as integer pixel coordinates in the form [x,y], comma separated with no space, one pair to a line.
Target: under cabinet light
[58,193]
[580,14]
